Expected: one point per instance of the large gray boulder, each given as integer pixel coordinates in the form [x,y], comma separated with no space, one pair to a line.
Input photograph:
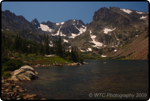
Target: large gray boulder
[24,73]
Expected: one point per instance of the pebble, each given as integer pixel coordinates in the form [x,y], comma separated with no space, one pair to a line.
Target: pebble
[11,91]
[17,86]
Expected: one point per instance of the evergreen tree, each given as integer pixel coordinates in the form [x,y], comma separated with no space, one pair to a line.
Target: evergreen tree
[58,47]
[74,54]
[41,47]
[47,45]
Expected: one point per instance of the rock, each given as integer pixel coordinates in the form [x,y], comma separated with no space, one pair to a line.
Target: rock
[23,77]
[23,69]
[2,88]
[14,78]
[42,99]
[6,90]
[85,63]
[6,84]
[36,73]
[30,96]
[30,74]
[79,64]
[17,86]
[37,65]
[21,90]
[24,73]
[18,98]
[74,64]
[104,62]
[18,71]
[2,79]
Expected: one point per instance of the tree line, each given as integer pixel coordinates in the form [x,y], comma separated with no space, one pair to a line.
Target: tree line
[24,46]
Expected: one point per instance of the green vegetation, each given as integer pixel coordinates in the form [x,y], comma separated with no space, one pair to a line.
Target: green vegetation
[49,60]
[12,64]
[21,46]
[6,74]
[9,65]
[17,51]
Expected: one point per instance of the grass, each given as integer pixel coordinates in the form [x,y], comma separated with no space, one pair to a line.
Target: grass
[39,59]
[6,74]
[49,60]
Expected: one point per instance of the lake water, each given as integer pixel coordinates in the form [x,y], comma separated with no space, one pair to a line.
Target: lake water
[100,77]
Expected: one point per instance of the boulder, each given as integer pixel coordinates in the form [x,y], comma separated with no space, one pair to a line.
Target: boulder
[30,74]
[24,73]
[14,78]
[27,67]
[23,77]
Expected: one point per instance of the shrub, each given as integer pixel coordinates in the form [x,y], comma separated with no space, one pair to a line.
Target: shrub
[12,65]
[6,74]
[4,60]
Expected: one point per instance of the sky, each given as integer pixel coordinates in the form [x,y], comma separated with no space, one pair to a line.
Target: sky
[63,11]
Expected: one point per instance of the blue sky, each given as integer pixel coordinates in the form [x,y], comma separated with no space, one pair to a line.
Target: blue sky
[63,11]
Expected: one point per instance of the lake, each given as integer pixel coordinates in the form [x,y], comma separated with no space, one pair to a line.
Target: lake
[94,80]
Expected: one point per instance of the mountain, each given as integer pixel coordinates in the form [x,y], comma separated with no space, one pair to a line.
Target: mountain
[110,31]
[68,30]
[18,24]
[113,32]
[35,23]
[14,23]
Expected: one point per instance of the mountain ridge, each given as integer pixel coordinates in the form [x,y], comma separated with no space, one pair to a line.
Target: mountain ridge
[110,28]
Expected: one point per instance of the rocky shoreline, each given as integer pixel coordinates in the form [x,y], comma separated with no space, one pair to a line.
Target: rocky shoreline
[12,91]
[57,64]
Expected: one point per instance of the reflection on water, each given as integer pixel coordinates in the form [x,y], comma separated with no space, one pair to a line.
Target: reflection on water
[114,76]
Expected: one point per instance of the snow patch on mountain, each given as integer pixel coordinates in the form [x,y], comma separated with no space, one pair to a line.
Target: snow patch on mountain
[143,17]
[82,50]
[81,30]
[89,49]
[61,34]
[62,23]
[51,44]
[45,28]
[139,12]
[65,40]
[106,30]
[115,50]
[57,34]
[103,56]
[126,11]
[97,44]
[57,24]
[73,35]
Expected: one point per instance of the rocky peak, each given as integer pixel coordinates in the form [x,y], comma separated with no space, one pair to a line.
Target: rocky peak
[35,23]
[101,13]
[7,12]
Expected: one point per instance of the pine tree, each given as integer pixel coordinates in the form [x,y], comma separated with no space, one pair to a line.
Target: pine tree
[74,54]
[58,47]
[47,45]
